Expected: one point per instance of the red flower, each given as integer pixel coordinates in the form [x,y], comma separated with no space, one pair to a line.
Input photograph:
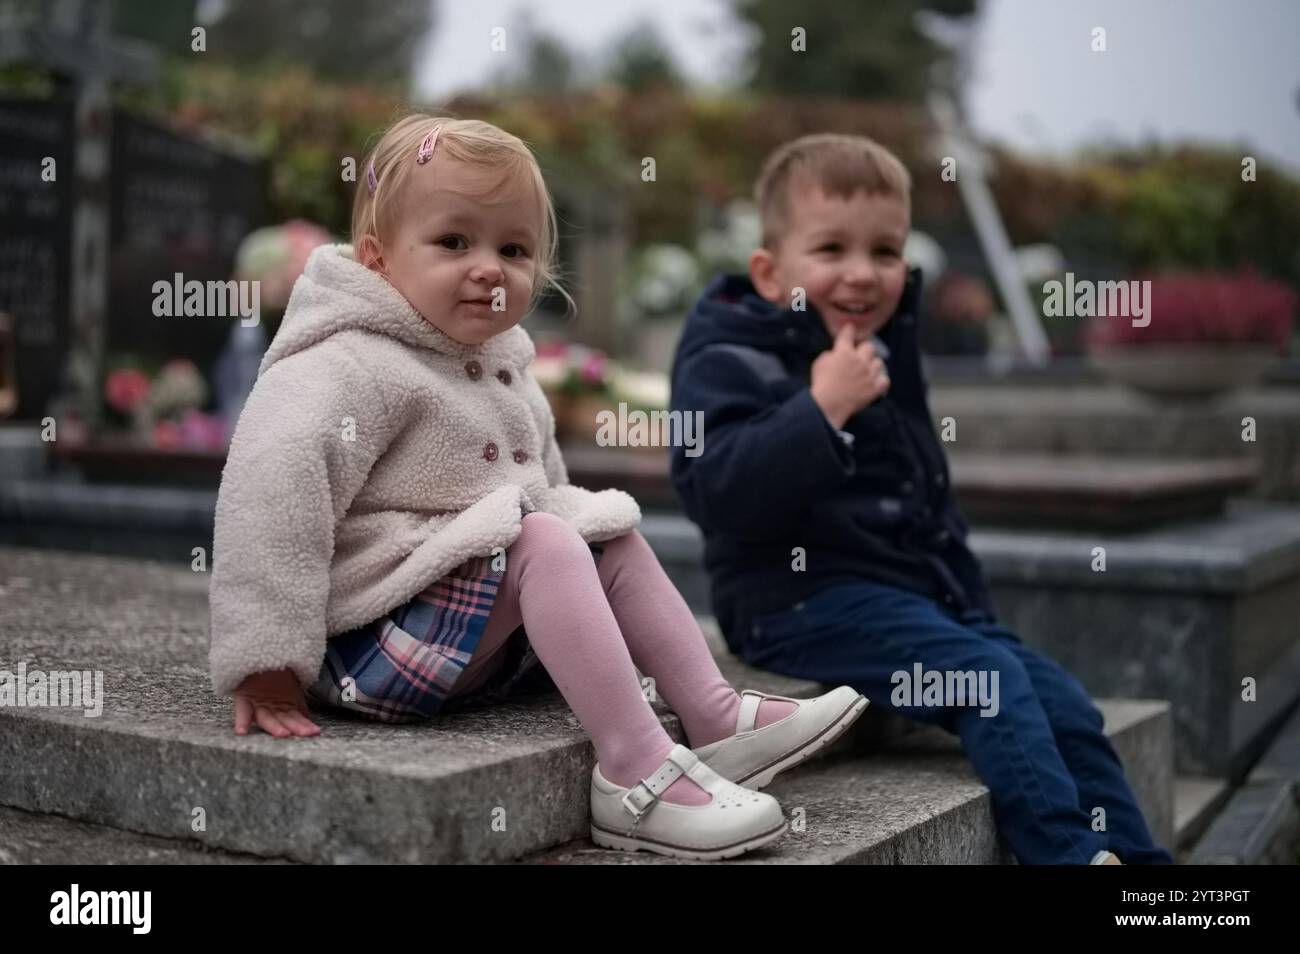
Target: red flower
[1207,308]
[126,389]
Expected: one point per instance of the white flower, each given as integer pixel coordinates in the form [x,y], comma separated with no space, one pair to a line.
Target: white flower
[549,371]
[650,390]
[666,275]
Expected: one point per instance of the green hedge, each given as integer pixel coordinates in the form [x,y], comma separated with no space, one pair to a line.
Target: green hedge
[1137,209]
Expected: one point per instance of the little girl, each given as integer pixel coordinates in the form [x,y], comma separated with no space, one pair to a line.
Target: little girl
[395,507]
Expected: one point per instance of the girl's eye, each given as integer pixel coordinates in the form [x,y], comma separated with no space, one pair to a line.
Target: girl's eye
[831,247]
[887,252]
[455,243]
[514,251]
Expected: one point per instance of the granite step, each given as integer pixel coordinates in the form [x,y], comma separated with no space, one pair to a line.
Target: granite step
[1260,823]
[914,804]
[1197,799]
[28,838]
[487,786]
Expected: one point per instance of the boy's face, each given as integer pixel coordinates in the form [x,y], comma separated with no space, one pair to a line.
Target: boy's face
[464,239]
[846,254]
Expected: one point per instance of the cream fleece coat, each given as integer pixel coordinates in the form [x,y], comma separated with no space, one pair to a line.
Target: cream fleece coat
[374,454]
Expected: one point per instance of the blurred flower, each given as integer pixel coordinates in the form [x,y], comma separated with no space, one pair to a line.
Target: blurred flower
[921,249]
[1039,263]
[168,435]
[593,368]
[276,256]
[962,298]
[567,368]
[665,278]
[549,370]
[178,387]
[645,390]
[126,390]
[1206,308]
[203,431]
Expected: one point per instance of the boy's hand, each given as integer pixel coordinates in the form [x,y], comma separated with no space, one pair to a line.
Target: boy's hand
[273,700]
[847,377]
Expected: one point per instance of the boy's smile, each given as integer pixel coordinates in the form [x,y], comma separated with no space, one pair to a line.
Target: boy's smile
[845,253]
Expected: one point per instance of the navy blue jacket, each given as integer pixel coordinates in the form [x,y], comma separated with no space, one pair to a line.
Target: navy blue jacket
[774,474]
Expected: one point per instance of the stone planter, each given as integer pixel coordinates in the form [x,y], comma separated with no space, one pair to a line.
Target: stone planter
[1184,370]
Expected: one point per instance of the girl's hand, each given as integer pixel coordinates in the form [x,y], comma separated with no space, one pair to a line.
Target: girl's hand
[273,700]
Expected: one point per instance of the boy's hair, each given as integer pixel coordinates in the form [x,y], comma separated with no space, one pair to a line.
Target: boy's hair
[467,140]
[840,165]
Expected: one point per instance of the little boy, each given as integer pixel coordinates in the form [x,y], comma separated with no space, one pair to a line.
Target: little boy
[834,549]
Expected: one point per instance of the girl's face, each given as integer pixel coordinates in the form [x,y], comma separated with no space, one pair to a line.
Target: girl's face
[463,252]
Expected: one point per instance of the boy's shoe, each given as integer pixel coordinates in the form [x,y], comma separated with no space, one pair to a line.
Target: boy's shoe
[632,819]
[753,757]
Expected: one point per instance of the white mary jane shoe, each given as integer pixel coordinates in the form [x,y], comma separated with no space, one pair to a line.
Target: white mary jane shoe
[632,819]
[753,757]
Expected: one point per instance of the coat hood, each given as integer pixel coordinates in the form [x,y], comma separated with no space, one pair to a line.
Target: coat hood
[336,293]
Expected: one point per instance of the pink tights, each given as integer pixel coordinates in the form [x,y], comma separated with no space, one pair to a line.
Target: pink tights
[590,626]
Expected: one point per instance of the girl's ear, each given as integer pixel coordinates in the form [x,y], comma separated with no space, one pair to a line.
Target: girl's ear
[762,272]
[370,253]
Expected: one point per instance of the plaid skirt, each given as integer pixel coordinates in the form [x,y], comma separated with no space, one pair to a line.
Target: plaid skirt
[404,666]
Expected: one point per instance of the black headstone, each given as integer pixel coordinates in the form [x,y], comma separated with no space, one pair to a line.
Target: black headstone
[176,205]
[35,241]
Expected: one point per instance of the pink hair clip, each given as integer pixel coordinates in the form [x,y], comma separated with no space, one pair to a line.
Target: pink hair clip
[425,152]
[372,182]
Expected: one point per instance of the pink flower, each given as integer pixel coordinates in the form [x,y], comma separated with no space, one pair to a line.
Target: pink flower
[553,349]
[168,435]
[126,389]
[203,431]
[593,368]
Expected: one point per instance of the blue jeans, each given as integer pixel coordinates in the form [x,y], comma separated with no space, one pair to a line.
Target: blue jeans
[1043,755]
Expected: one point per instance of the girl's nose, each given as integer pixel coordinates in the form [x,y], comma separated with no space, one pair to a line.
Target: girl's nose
[488,270]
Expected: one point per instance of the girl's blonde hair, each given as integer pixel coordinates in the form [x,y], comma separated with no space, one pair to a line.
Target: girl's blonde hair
[467,140]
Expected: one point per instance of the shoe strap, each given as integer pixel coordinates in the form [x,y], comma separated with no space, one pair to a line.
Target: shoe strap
[641,797]
[750,700]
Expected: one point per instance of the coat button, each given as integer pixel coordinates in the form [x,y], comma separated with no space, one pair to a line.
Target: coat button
[908,486]
[940,480]
[503,376]
[520,456]
[474,370]
[490,451]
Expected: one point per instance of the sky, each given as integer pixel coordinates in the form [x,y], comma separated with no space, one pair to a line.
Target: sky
[1210,70]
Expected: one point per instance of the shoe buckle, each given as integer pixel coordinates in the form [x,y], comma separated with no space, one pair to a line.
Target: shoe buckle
[635,808]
